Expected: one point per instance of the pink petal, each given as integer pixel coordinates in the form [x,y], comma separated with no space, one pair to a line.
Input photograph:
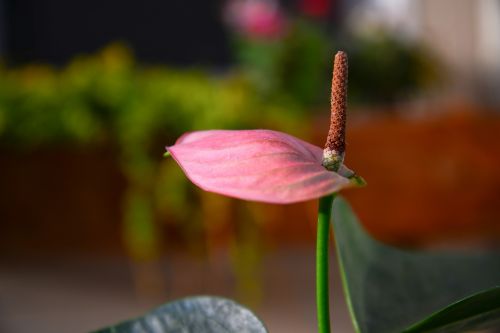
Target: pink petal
[256,165]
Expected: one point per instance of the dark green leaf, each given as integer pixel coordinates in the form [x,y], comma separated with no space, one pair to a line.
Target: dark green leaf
[391,290]
[193,315]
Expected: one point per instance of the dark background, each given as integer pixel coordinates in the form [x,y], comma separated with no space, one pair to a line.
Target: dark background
[173,32]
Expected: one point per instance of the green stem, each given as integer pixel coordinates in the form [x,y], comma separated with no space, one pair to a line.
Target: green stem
[323,237]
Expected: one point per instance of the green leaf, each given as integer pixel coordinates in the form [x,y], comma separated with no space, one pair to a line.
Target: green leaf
[392,290]
[201,314]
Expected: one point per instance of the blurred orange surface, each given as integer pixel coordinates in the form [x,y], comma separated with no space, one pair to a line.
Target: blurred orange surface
[429,179]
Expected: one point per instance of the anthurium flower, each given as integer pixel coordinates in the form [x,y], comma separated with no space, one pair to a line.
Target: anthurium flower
[274,167]
[268,166]
[257,165]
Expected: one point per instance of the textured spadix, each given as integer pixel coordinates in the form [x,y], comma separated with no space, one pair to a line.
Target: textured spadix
[257,165]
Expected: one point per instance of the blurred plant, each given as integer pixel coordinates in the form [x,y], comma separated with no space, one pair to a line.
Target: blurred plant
[107,98]
[387,69]
[291,58]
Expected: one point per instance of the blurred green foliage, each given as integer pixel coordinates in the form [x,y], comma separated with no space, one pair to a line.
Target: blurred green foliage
[383,68]
[296,66]
[107,97]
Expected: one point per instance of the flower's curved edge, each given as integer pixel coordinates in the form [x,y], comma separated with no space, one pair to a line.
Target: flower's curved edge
[357,180]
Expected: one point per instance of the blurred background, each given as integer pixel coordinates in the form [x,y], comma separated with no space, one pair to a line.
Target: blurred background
[97,227]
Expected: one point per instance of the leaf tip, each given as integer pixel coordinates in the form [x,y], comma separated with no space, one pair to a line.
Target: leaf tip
[357,180]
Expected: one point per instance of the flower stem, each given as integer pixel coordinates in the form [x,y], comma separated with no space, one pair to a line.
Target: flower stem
[322,240]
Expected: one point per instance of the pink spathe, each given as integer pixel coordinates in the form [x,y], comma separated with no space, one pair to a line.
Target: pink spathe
[257,165]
